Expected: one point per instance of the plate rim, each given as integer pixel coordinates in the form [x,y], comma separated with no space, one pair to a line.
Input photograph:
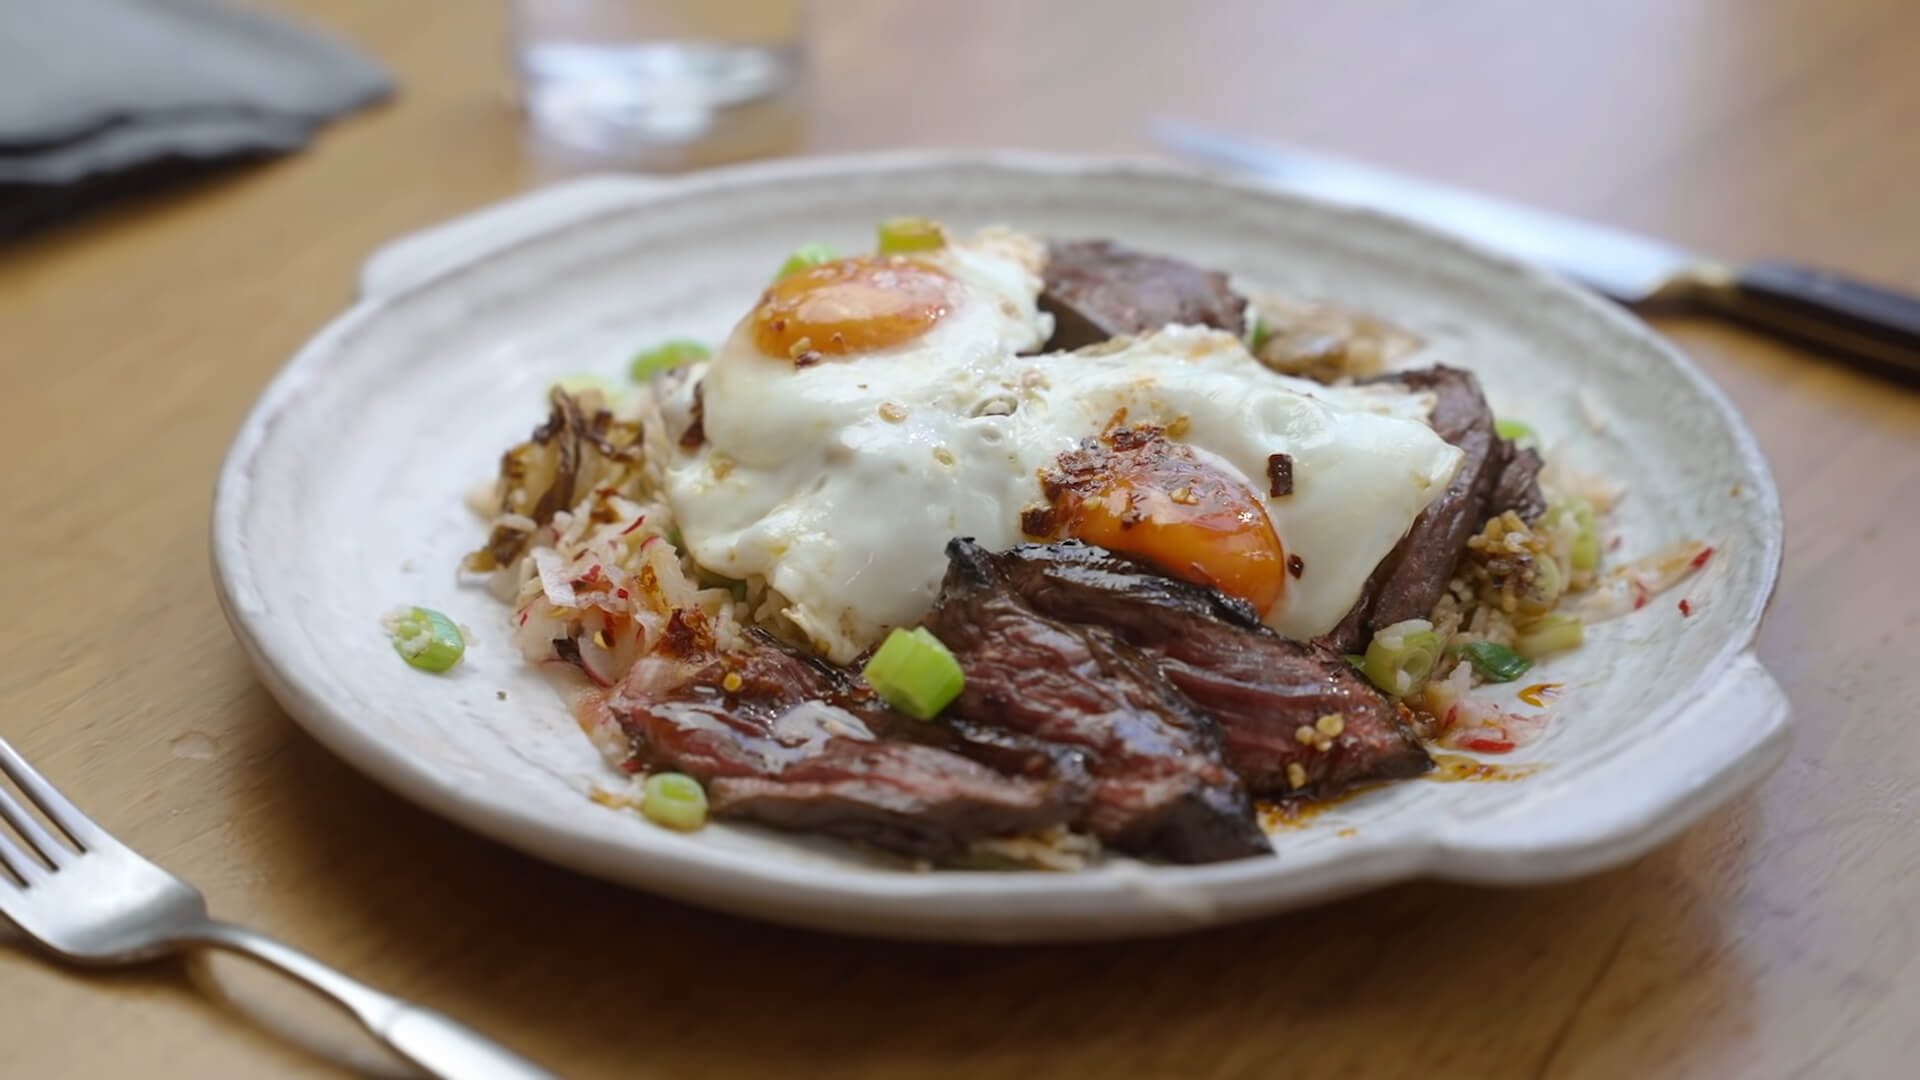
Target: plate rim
[1176,898]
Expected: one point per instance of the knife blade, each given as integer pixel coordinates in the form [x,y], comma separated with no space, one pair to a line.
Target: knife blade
[1817,307]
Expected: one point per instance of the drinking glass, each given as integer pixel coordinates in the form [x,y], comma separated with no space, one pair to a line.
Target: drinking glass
[659,83]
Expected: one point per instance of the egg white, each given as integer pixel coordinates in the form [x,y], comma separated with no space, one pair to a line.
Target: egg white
[842,482]
[1364,461]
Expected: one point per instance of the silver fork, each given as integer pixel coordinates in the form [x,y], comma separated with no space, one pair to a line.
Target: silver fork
[97,902]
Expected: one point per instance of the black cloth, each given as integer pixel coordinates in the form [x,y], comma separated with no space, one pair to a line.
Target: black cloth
[103,97]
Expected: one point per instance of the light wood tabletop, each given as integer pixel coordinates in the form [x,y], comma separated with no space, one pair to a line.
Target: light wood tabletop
[1781,937]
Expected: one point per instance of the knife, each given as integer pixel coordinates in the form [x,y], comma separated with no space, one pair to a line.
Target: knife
[1814,307]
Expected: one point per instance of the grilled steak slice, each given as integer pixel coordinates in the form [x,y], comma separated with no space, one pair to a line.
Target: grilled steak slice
[1426,557]
[1413,577]
[791,747]
[1261,687]
[1160,786]
[1097,290]
[1518,488]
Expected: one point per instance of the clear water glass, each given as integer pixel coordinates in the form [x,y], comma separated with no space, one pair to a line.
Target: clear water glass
[660,83]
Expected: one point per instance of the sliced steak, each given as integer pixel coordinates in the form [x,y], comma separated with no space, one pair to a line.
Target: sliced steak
[1425,559]
[1160,784]
[1413,577]
[1518,488]
[1097,290]
[789,746]
[1262,688]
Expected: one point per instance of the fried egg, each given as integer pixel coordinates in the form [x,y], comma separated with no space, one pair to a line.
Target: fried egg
[870,409]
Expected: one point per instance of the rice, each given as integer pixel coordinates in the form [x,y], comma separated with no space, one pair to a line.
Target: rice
[1487,601]
[595,585]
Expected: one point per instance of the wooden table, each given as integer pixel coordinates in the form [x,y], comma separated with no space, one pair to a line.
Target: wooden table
[1778,938]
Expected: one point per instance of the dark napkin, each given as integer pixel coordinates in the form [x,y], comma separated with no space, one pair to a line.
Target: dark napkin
[102,97]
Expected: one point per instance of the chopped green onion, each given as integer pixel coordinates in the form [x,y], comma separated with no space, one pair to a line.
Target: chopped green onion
[674,800]
[1496,662]
[1358,660]
[425,638]
[1585,552]
[664,357]
[913,672]
[1516,431]
[1543,589]
[903,234]
[1552,633]
[1259,335]
[804,256]
[1401,656]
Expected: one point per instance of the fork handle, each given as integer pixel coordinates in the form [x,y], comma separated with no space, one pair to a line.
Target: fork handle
[435,1042]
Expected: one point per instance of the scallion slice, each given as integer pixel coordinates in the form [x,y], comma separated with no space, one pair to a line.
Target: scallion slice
[901,235]
[1259,334]
[1551,633]
[1516,431]
[913,672]
[1496,662]
[674,800]
[665,356]
[1585,551]
[1401,656]
[804,256]
[425,638]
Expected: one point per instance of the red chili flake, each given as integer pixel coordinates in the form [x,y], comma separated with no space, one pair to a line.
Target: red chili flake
[1279,474]
[1614,544]
[1482,745]
[1685,608]
[649,541]
[621,593]
[523,618]
[1296,565]
[1640,596]
[1539,694]
[1700,560]
[637,522]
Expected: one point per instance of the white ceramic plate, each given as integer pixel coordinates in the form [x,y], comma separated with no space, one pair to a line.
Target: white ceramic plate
[342,497]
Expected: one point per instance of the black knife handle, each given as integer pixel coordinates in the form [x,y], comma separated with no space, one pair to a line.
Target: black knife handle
[1827,310]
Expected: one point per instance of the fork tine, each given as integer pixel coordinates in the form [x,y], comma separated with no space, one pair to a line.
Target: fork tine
[16,861]
[37,838]
[67,816]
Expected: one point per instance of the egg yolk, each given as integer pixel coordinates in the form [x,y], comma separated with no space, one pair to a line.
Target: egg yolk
[1136,493]
[851,306]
